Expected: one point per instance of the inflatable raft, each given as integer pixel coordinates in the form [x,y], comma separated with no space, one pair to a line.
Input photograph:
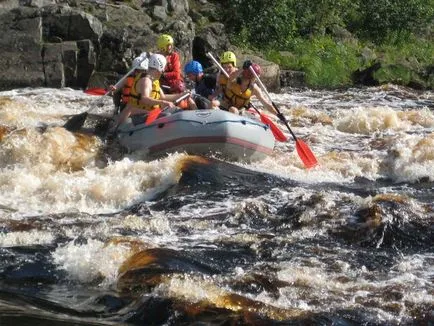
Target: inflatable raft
[199,132]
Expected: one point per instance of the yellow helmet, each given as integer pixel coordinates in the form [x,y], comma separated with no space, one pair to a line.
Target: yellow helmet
[228,57]
[164,41]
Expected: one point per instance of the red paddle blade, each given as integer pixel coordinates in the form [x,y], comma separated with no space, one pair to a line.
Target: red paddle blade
[278,134]
[95,91]
[305,154]
[152,116]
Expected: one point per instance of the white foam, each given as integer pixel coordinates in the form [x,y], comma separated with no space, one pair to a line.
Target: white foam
[91,261]
[25,238]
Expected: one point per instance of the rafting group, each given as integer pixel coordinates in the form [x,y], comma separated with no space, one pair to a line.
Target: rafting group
[157,83]
[157,113]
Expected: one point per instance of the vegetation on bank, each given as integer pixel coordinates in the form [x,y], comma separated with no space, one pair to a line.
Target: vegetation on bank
[335,41]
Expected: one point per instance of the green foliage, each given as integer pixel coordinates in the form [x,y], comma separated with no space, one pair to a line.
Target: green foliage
[406,61]
[260,22]
[271,23]
[318,36]
[325,61]
[417,51]
[380,20]
[315,17]
[397,74]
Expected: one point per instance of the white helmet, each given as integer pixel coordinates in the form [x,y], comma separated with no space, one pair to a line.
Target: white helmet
[157,61]
[141,62]
[144,64]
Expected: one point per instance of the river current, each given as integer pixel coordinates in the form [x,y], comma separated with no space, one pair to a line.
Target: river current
[92,235]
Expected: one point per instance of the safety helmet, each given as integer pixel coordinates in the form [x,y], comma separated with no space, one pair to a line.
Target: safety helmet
[228,57]
[157,61]
[193,67]
[164,41]
[248,74]
[141,62]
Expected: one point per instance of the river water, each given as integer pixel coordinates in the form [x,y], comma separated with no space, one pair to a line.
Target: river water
[91,235]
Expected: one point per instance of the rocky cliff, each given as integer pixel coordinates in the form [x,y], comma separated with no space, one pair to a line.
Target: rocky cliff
[76,43]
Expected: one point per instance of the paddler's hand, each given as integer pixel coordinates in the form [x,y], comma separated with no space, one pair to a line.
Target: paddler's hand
[112,89]
[168,104]
[281,117]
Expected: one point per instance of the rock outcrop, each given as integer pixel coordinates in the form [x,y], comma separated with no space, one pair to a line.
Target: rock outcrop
[75,43]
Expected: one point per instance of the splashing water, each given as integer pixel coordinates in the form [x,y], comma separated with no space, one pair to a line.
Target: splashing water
[93,235]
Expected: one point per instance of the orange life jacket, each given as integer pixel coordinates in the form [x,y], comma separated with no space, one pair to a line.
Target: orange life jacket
[183,104]
[126,90]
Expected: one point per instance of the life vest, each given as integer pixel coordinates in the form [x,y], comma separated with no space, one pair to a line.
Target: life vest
[126,90]
[223,81]
[183,104]
[236,97]
[135,96]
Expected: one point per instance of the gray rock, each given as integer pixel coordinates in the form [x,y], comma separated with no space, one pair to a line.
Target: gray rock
[20,45]
[159,12]
[70,24]
[292,78]
[70,52]
[270,71]
[53,66]
[60,45]
[178,7]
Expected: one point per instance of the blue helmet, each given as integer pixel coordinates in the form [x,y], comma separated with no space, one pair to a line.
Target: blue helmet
[193,67]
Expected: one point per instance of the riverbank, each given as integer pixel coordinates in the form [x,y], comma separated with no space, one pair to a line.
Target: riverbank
[326,62]
[340,43]
[80,44]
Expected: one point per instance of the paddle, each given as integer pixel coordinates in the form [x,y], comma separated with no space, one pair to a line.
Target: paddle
[95,91]
[278,134]
[156,112]
[76,122]
[303,149]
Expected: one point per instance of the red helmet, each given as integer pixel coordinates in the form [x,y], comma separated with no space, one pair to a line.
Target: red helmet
[248,74]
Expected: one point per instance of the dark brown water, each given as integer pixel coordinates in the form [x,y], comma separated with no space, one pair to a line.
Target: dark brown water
[92,236]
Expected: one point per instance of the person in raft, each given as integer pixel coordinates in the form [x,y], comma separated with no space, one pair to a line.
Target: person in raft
[228,61]
[204,87]
[171,79]
[241,86]
[146,93]
[121,94]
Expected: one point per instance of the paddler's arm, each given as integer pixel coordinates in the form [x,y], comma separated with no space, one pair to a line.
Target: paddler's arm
[146,91]
[258,93]
[172,97]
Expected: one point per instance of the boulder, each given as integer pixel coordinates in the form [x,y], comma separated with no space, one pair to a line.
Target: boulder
[270,76]
[21,47]
[56,44]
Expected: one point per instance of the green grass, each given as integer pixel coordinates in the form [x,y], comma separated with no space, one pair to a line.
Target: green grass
[327,63]
[330,63]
